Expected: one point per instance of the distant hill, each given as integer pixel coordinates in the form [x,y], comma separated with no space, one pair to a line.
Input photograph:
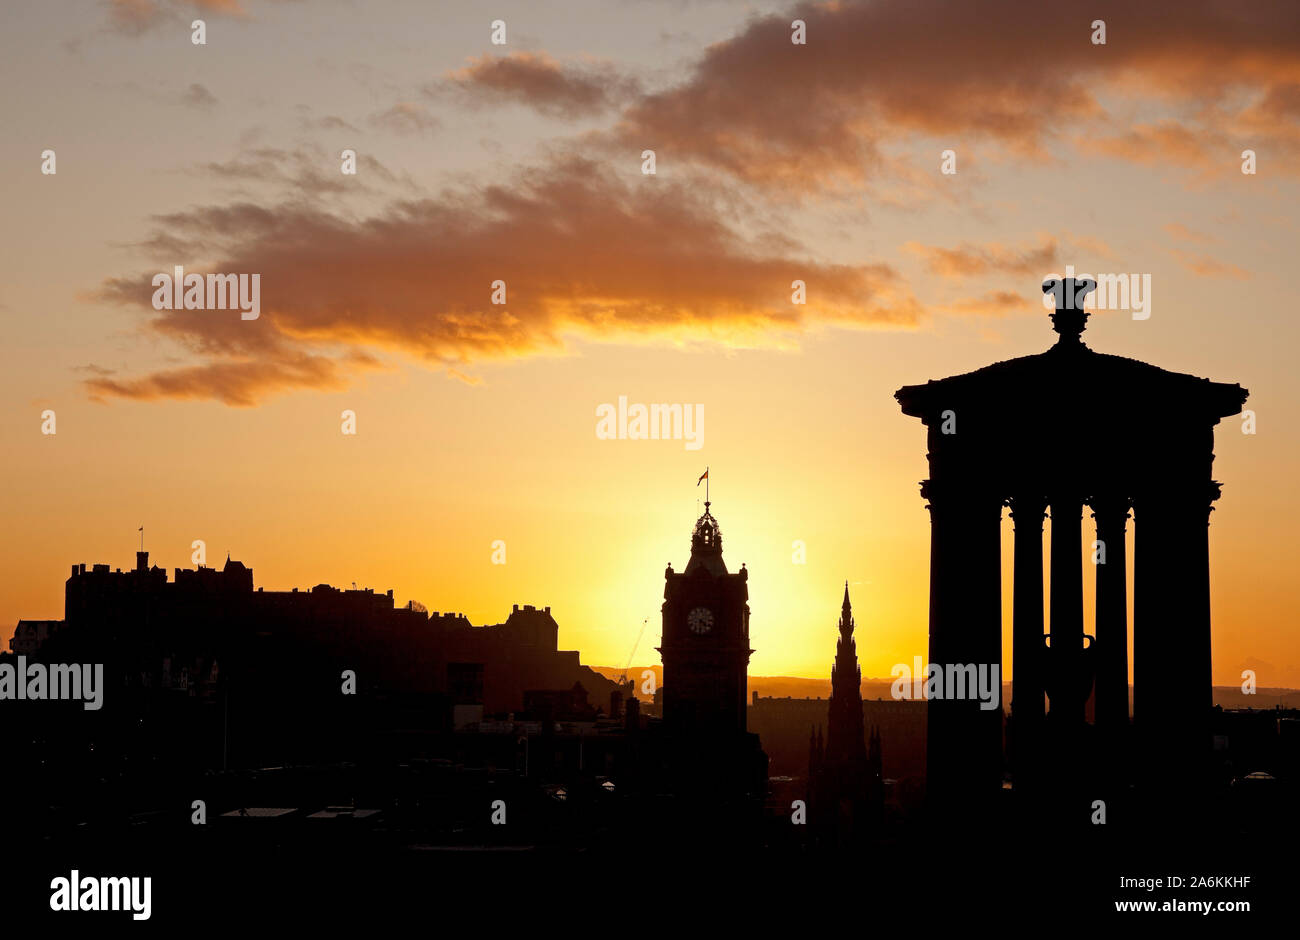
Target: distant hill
[1229,696]
[765,686]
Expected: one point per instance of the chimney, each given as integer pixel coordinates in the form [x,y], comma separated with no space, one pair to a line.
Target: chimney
[615,703]
[632,715]
[756,698]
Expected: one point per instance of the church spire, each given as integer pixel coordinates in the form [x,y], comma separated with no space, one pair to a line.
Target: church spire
[842,787]
[846,731]
[846,614]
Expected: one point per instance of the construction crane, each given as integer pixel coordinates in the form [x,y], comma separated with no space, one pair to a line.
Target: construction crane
[631,655]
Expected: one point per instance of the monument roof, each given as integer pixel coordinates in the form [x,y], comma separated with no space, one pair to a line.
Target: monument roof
[1070,370]
[1070,378]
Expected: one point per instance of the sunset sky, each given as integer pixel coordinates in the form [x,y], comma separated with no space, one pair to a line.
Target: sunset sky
[522,162]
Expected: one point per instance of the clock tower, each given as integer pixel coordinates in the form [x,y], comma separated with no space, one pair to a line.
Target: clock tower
[705,646]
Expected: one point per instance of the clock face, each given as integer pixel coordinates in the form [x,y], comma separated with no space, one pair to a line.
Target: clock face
[700,620]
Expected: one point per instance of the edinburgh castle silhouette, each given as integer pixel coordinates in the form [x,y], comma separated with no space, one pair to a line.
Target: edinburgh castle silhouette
[219,689]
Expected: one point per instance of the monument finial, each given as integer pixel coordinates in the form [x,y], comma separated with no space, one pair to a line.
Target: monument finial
[1070,319]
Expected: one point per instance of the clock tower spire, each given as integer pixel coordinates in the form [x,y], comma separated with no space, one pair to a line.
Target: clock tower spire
[705,646]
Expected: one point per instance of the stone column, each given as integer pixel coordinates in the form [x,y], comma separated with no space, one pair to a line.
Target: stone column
[1172,682]
[1068,703]
[964,742]
[1111,514]
[1027,654]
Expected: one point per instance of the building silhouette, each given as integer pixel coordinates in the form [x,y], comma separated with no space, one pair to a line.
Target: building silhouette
[705,650]
[30,635]
[270,662]
[1062,430]
[785,724]
[845,785]
[332,697]
[705,646]
[207,672]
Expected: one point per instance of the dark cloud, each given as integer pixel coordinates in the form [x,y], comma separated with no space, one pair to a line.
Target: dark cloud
[583,254]
[196,96]
[405,117]
[975,260]
[136,17]
[1021,74]
[567,90]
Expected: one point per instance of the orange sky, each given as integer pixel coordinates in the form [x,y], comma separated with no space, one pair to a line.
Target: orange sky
[523,162]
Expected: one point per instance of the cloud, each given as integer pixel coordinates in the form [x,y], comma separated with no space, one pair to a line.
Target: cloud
[1205,266]
[975,260]
[136,17]
[1180,232]
[240,384]
[995,303]
[328,122]
[1021,74]
[584,254]
[306,171]
[405,117]
[196,96]
[228,7]
[1165,143]
[133,17]
[92,369]
[1091,245]
[540,82]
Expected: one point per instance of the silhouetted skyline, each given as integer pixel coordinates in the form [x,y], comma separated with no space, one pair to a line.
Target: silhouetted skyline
[691,454]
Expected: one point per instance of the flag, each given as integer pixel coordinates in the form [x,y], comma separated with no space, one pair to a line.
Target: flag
[703,476]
